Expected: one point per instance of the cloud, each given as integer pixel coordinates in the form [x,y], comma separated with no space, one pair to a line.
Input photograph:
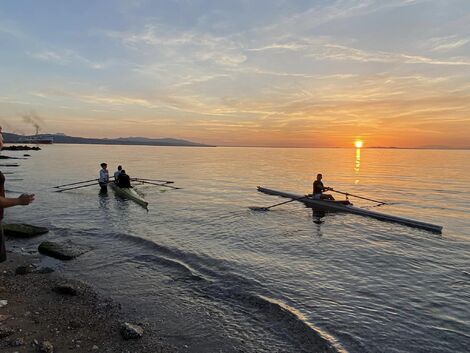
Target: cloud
[65,57]
[184,44]
[445,44]
[345,53]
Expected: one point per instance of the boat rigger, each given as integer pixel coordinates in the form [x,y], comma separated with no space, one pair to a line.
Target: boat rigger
[341,207]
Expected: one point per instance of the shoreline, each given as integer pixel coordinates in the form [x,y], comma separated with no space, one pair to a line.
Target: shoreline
[46,312]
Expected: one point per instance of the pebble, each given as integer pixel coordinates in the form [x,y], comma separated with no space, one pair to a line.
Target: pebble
[130,331]
[6,331]
[3,303]
[18,342]
[4,317]
[25,269]
[66,289]
[46,347]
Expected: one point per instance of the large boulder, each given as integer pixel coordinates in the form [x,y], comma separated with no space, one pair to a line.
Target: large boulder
[22,230]
[62,251]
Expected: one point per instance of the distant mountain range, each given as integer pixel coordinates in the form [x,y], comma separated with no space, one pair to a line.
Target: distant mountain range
[62,138]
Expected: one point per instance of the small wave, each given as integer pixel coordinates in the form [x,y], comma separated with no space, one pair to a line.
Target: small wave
[181,268]
[305,333]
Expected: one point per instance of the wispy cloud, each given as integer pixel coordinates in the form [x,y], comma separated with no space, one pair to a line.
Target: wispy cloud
[65,57]
[198,46]
[448,43]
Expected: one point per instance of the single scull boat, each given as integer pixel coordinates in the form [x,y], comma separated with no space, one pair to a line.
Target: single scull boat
[341,207]
[129,193]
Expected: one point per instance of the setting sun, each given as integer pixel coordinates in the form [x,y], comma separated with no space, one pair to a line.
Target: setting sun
[358,143]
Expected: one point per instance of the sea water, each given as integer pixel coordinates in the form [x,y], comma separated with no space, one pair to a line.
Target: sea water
[207,274]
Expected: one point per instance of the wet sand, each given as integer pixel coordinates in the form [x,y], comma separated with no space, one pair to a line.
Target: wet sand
[45,312]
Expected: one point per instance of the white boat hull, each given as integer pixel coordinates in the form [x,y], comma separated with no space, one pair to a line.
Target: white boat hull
[355,210]
[129,193]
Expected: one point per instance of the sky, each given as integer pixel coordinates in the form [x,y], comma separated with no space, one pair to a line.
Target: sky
[292,73]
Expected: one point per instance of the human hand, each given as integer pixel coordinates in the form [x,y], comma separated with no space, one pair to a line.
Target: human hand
[25,199]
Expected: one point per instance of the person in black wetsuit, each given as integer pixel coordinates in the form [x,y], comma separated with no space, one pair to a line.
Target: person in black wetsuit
[124,180]
[318,189]
[24,199]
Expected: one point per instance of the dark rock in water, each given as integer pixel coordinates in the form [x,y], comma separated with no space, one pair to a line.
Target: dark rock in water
[66,289]
[26,155]
[62,251]
[22,230]
[46,347]
[20,148]
[9,157]
[25,269]
[130,331]
[5,332]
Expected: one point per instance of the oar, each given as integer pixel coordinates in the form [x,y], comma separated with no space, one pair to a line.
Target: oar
[77,187]
[165,185]
[278,204]
[78,182]
[359,197]
[156,180]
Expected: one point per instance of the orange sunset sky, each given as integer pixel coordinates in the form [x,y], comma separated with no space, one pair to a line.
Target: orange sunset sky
[261,73]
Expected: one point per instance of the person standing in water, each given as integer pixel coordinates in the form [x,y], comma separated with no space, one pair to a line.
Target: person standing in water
[104,178]
[319,188]
[23,200]
[1,140]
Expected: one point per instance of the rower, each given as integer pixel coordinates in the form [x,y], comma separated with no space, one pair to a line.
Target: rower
[124,180]
[117,173]
[104,178]
[318,189]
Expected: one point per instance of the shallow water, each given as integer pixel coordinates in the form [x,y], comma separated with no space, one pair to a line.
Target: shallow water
[209,273]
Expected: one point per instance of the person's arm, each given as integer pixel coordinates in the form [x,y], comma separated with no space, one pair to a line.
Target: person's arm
[23,200]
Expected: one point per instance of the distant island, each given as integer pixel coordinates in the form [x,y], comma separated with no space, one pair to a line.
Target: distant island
[62,138]
[427,147]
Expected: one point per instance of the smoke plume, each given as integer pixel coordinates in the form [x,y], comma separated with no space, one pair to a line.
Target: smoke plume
[33,119]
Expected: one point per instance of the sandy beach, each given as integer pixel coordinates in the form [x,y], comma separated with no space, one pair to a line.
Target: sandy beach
[40,311]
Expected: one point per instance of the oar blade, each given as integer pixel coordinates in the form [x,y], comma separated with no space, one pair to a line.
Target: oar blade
[261,209]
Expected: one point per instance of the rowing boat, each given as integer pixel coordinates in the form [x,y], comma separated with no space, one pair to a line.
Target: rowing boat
[129,193]
[341,207]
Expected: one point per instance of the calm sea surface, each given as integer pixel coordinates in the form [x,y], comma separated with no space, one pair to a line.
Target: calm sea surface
[208,273]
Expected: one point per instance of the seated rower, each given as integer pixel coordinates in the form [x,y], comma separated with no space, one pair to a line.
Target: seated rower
[117,173]
[124,181]
[318,189]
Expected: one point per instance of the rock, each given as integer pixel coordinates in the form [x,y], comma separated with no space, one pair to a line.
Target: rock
[45,270]
[62,251]
[130,331]
[46,347]
[75,324]
[26,155]
[3,303]
[66,289]
[17,343]
[4,317]
[25,269]
[5,332]
[94,348]
[22,230]
[20,148]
